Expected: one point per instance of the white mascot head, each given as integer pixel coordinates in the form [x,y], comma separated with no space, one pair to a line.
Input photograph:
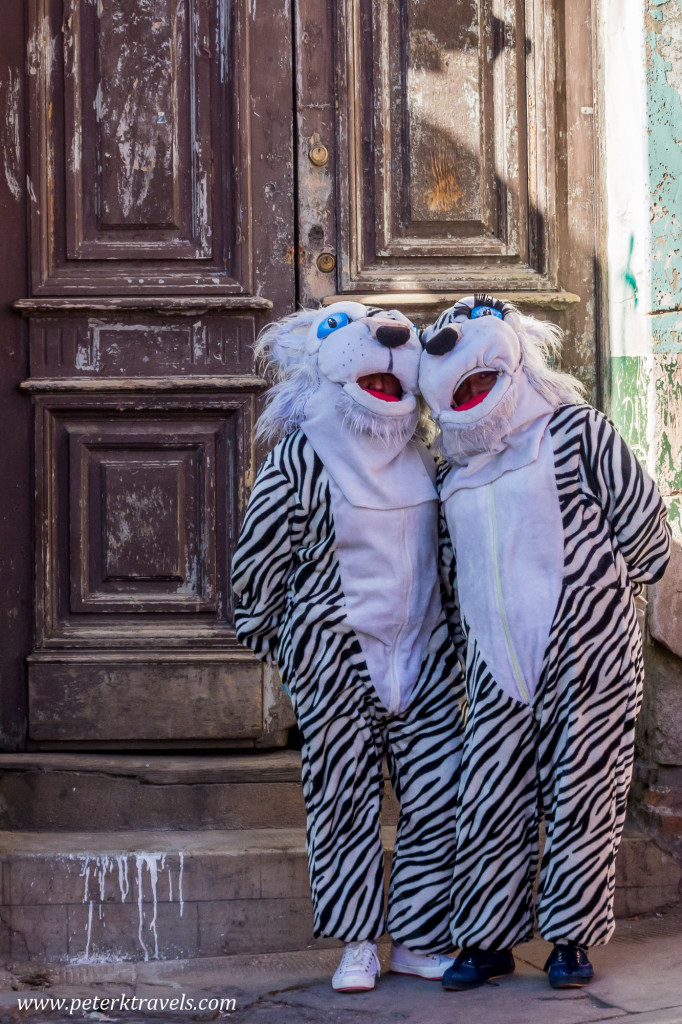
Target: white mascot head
[370,356]
[480,358]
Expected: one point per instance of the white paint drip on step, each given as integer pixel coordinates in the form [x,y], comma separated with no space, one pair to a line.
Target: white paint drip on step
[97,870]
[149,861]
[87,943]
[123,883]
[103,866]
[85,873]
[139,907]
[182,866]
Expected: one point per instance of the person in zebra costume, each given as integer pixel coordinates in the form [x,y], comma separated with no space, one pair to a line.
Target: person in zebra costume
[555,528]
[337,580]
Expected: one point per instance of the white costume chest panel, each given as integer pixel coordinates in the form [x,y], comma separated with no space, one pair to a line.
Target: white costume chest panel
[509,546]
[389,576]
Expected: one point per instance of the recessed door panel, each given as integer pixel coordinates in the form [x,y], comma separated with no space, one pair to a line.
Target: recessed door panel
[437,164]
[144,494]
[141,159]
[143,517]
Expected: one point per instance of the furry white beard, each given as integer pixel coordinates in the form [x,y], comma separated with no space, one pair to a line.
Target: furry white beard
[459,443]
[386,430]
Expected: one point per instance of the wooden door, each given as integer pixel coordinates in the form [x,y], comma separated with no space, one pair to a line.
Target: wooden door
[162,224]
[435,148]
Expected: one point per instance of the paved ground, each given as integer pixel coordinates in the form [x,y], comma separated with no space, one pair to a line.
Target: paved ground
[639,981]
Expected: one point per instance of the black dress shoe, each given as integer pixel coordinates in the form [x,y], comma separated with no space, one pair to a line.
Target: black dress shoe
[473,967]
[568,967]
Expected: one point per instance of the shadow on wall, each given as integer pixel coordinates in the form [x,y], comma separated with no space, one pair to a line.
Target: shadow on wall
[449,179]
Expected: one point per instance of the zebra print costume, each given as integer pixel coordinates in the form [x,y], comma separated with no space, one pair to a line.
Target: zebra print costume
[292,610]
[565,753]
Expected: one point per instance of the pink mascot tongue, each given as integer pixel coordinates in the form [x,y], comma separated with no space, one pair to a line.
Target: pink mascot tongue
[382,395]
[476,400]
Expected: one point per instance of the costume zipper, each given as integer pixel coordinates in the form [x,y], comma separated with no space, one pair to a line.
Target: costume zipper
[500,602]
[395,685]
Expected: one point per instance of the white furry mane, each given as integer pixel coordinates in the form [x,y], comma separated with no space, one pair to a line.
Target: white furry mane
[540,345]
[280,349]
[384,430]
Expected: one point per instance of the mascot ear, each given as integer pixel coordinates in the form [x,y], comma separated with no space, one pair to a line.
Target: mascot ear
[282,345]
[513,318]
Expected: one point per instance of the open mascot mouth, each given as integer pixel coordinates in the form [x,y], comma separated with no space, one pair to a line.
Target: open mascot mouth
[385,386]
[473,390]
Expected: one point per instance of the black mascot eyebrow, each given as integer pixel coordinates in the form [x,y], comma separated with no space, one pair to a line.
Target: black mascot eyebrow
[464,309]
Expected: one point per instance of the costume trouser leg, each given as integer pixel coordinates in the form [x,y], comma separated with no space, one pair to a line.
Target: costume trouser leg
[342,749]
[571,755]
[424,749]
[345,731]
[585,754]
[496,855]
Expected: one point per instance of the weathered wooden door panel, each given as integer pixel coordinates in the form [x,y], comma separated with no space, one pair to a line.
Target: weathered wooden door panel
[436,183]
[162,231]
[142,509]
[143,154]
[138,502]
[462,152]
[149,698]
[162,338]
[138,127]
[139,499]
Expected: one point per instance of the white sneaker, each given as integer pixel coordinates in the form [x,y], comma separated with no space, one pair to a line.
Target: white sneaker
[423,965]
[359,968]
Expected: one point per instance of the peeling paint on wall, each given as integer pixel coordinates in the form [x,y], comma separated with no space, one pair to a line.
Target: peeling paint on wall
[666,332]
[646,406]
[10,92]
[668,407]
[630,381]
[645,234]
[664,104]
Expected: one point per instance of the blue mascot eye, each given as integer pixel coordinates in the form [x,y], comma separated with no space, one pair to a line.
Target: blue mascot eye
[332,323]
[485,311]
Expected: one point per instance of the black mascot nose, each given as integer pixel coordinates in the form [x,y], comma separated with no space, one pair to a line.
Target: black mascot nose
[393,335]
[443,342]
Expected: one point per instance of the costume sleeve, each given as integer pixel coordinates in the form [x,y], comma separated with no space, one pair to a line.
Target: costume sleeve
[448,584]
[263,561]
[630,499]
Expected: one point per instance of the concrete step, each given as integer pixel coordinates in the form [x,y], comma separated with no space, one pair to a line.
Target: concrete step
[61,792]
[104,897]
[76,897]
